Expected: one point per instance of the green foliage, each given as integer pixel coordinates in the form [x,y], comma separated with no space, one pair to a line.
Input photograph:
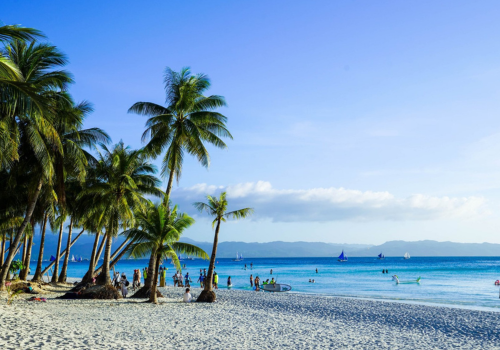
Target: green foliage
[16,266]
[158,230]
[187,122]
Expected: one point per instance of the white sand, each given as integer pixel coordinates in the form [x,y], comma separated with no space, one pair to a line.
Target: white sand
[243,320]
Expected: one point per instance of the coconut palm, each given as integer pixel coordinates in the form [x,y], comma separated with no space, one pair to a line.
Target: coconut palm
[188,121]
[117,185]
[158,230]
[217,207]
[33,140]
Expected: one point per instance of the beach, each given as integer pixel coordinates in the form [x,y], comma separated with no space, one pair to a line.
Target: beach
[242,320]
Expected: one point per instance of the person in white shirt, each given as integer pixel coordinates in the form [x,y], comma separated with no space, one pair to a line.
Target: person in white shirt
[187,296]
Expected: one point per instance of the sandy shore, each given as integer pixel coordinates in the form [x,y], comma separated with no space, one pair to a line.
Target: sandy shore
[243,320]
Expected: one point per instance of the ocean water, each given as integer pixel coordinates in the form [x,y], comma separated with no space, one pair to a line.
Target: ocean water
[458,281]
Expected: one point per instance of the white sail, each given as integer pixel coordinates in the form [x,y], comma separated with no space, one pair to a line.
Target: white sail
[407,255]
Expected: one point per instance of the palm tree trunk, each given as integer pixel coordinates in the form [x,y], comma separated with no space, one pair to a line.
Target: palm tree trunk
[115,257]
[64,270]
[27,219]
[38,272]
[23,255]
[152,296]
[104,278]
[2,249]
[62,254]
[92,262]
[26,262]
[208,294]
[56,268]
[169,185]
[99,251]
[148,285]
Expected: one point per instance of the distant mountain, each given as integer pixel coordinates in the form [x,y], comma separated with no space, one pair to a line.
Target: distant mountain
[83,247]
[430,248]
[277,249]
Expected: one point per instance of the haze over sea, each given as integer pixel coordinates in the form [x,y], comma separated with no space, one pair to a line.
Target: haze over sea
[458,281]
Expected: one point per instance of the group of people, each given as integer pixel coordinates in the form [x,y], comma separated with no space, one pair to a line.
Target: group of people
[178,279]
[256,282]
[215,280]
[385,271]
[122,283]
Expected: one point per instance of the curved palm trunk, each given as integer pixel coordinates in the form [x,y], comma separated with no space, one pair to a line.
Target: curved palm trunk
[38,272]
[25,243]
[152,296]
[115,257]
[92,263]
[62,254]
[104,278]
[56,267]
[208,295]
[169,185]
[64,270]
[148,285]
[2,249]
[24,273]
[20,232]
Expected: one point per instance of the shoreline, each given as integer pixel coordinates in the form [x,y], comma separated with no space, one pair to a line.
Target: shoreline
[389,300]
[243,320]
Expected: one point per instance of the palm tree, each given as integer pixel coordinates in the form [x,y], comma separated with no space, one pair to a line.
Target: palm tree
[117,185]
[157,232]
[33,139]
[187,122]
[217,207]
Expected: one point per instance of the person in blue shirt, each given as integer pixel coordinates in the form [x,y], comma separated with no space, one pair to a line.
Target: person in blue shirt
[201,280]
[187,280]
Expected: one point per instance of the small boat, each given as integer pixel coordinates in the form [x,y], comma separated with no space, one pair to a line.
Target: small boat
[73,258]
[52,258]
[189,258]
[80,259]
[276,288]
[238,257]
[395,278]
[407,256]
[381,256]
[342,257]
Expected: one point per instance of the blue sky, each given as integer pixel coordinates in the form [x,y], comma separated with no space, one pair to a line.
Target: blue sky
[355,122]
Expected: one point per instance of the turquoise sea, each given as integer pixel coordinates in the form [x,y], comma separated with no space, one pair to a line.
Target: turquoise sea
[459,281]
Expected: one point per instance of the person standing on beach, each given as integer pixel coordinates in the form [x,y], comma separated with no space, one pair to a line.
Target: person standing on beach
[139,274]
[164,276]
[124,284]
[257,283]
[251,280]
[229,284]
[216,280]
[186,280]
[201,279]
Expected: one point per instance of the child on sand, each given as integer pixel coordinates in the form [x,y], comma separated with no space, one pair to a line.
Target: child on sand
[187,296]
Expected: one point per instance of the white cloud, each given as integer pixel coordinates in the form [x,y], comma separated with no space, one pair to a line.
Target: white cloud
[332,204]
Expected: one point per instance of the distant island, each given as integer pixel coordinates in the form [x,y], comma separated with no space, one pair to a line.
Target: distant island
[305,249]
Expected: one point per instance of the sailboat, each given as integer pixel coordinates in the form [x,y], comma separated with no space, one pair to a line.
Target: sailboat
[407,256]
[73,258]
[342,257]
[381,256]
[238,257]
[80,259]
[52,258]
